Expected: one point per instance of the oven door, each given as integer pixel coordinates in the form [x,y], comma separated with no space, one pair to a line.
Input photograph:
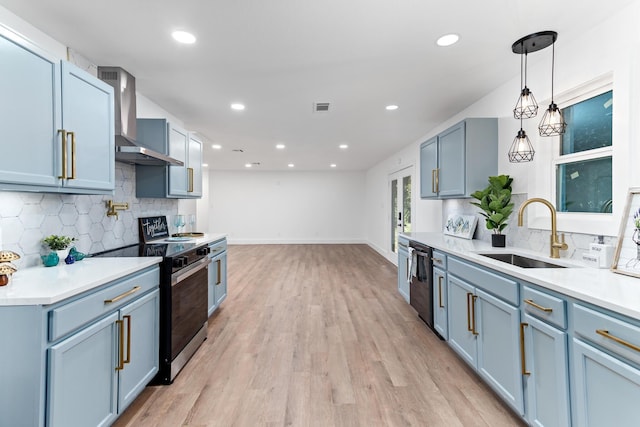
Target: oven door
[189,288]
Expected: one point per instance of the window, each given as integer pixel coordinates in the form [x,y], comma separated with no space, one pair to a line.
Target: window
[583,168]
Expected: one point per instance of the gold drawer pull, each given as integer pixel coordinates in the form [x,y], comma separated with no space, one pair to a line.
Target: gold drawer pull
[440,292]
[128,319]
[473,314]
[539,307]
[469,295]
[438,260]
[63,154]
[219,279]
[606,334]
[124,295]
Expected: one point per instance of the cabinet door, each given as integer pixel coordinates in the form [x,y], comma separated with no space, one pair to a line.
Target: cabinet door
[194,185]
[428,168]
[82,377]
[451,164]
[547,385]
[440,302]
[221,285]
[177,150]
[29,113]
[141,319]
[403,272]
[211,289]
[606,390]
[87,111]
[498,325]
[461,336]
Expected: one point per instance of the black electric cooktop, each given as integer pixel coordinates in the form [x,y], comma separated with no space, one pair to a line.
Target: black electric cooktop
[149,249]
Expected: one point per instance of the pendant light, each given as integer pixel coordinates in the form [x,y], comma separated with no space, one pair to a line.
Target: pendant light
[552,123]
[526,107]
[521,149]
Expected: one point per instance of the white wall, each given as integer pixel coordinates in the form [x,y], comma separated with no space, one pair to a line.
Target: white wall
[287,207]
[613,46]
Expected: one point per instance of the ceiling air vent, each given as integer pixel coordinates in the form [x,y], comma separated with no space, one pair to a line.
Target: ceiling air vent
[238,150]
[321,107]
[108,75]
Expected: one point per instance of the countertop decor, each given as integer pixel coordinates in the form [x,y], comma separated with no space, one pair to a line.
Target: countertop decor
[627,255]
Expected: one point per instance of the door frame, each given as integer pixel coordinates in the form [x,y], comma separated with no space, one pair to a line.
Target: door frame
[409,171]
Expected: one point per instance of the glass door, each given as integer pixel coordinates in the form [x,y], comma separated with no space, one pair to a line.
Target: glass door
[400,196]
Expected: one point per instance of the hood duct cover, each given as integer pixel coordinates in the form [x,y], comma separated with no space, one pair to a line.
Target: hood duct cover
[127,149]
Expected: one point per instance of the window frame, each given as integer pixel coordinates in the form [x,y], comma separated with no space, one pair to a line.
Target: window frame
[548,158]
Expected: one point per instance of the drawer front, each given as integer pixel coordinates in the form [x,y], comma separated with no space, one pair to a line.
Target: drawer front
[71,316]
[616,335]
[545,307]
[439,259]
[499,286]
[217,247]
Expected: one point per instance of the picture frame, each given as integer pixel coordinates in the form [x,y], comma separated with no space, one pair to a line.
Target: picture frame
[627,255]
[460,225]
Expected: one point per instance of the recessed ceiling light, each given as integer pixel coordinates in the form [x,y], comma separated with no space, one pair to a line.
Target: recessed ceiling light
[448,40]
[290,165]
[280,146]
[237,107]
[391,107]
[343,146]
[216,146]
[333,165]
[247,165]
[205,165]
[183,37]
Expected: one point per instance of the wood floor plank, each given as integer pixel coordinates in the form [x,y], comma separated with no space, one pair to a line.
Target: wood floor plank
[318,335]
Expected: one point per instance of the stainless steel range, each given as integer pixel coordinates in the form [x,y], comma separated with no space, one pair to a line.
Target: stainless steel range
[183,300]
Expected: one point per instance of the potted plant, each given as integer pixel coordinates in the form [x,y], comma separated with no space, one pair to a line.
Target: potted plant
[57,244]
[495,201]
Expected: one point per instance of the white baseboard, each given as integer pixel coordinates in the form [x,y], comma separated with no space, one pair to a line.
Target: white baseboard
[232,241]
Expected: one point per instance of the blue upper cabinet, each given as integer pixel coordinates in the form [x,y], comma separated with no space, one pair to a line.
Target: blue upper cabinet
[458,161]
[181,182]
[41,96]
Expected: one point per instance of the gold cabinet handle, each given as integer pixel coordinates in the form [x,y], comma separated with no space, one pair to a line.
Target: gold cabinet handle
[437,180]
[539,307]
[433,181]
[190,174]
[123,295]
[64,154]
[437,260]
[440,292]
[120,324]
[73,155]
[469,295]
[219,271]
[606,334]
[523,360]
[128,358]
[473,315]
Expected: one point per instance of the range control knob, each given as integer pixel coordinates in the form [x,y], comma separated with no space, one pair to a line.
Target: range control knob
[178,262]
[203,251]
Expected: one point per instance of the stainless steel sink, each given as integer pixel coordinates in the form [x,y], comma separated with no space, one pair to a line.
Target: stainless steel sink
[522,261]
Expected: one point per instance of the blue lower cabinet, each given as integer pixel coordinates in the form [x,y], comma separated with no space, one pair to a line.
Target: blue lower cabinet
[403,269]
[217,287]
[461,336]
[497,325]
[440,323]
[606,389]
[82,387]
[547,383]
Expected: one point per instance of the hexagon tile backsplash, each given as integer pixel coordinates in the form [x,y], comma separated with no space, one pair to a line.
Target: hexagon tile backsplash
[26,218]
[523,237]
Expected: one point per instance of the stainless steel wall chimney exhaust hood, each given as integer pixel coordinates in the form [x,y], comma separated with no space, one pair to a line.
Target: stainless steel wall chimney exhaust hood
[127,149]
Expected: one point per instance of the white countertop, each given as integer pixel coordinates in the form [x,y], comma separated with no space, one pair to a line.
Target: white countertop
[601,287]
[47,285]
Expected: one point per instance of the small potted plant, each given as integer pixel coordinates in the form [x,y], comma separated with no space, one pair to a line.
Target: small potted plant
[495,201]
[59,246]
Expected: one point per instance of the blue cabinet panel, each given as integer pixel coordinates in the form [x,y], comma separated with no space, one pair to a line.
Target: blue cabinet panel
[403,269]
[607,389]
[428,168]
[461,336]
[547,385]
[440,323]
[82,385]
[178,150]
[451,154]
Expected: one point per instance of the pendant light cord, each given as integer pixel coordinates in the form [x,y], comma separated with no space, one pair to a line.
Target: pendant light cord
[553,66]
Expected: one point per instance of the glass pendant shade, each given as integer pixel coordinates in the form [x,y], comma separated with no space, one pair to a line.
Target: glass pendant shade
[552,123]
[521,149]
[526,107]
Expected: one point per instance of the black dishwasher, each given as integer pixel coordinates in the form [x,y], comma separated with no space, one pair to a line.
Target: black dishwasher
[421,288]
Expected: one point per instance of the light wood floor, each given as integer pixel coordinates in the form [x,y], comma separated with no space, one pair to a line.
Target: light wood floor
[317,335]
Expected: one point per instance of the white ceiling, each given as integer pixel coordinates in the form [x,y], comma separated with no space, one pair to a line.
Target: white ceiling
[278,57]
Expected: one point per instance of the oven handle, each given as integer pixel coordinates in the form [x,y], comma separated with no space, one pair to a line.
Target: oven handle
[422,254]
[189,271]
